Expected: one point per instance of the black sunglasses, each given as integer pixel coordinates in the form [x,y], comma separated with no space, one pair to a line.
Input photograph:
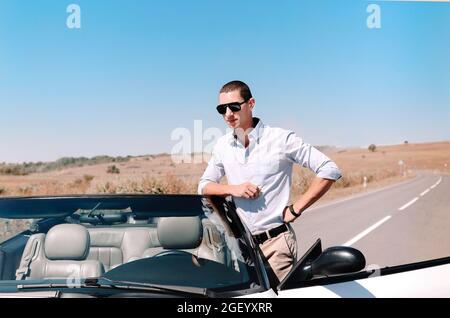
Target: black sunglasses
[234,107]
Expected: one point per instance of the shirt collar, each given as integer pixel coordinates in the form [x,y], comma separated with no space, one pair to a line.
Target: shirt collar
[254,134]
[256,131]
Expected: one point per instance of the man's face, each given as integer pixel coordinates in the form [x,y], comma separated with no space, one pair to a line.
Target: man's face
[239,119]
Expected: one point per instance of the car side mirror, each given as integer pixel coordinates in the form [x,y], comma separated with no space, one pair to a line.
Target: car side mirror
[336,260]
[317,263]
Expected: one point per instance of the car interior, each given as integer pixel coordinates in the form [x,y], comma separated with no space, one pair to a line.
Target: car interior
[81,248]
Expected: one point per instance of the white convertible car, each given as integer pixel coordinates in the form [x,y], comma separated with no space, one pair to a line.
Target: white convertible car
[175,246]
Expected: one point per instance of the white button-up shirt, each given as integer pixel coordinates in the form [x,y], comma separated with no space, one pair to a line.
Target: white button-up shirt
[267,162]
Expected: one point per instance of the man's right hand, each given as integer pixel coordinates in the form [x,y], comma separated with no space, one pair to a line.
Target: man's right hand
[245,190]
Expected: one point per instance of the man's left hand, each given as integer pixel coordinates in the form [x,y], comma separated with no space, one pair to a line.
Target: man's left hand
[316,190]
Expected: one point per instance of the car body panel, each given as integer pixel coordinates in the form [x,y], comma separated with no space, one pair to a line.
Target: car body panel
[427,282]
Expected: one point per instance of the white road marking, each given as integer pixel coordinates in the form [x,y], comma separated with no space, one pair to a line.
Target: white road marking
[364,194]
[436,184]
[425,192]
[366,231]
[408,204]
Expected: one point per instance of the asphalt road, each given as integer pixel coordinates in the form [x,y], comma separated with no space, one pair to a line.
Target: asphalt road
[403,223]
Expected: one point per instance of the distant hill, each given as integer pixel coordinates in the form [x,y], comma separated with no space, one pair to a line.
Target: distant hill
[26,168]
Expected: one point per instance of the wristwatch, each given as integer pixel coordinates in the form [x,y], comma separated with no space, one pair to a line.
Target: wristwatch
[291,209]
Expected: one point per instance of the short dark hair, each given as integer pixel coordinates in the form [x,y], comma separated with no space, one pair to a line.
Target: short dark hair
[243,88]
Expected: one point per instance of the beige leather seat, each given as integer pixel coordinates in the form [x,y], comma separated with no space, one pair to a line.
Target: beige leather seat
[60,254]
[189,234]
[115,246]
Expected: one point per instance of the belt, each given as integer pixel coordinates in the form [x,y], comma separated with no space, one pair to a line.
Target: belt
[264,236]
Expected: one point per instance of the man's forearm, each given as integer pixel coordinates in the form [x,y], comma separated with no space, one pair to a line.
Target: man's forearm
[315,191]
[218,189]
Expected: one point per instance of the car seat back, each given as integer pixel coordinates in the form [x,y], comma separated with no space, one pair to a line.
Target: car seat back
[115,246]
[198,237]
[60,254]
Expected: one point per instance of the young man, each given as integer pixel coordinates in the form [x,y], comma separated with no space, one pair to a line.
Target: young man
[257,161]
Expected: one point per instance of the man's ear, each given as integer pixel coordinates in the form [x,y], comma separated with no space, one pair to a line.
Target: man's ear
[251,103]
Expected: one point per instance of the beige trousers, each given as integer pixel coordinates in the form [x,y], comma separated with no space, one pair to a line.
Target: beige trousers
[281,252]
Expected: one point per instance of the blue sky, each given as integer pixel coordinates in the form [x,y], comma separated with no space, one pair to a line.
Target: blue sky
[136,70]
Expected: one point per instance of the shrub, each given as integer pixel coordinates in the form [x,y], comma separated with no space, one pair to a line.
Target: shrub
[88,178]
[79,185]
[112,169]
[372,148]
[25,190]
[170,184]
[14,170]
[107,187]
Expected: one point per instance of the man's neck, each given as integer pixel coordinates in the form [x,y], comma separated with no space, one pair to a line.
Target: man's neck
[242,133]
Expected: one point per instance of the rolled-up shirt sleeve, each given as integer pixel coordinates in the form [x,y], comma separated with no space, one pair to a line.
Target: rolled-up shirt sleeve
[309,157]
[213,173]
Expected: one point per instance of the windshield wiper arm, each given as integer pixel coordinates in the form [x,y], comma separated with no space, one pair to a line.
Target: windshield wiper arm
[187,290]
[98,283]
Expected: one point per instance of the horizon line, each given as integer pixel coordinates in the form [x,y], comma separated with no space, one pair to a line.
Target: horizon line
[197,153]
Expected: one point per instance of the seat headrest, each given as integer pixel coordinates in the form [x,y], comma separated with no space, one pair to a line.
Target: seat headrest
[67,242]
[180,232]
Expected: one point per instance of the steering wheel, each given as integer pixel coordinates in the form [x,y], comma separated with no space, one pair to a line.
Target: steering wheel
[172,252]
[195,260]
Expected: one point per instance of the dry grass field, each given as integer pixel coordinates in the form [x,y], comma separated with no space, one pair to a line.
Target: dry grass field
[159,174]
